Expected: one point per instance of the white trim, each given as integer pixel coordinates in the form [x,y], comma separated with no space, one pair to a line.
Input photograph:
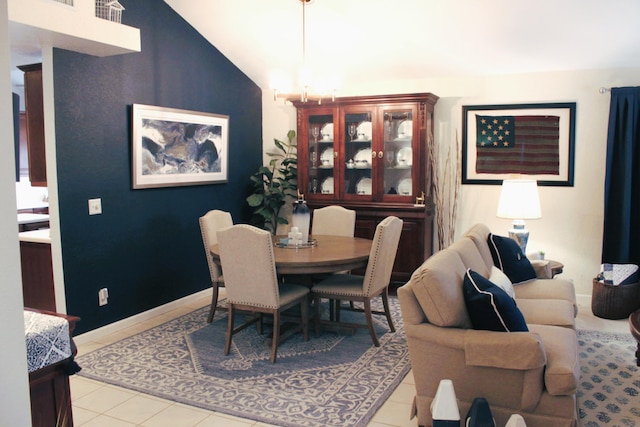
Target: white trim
[140,317]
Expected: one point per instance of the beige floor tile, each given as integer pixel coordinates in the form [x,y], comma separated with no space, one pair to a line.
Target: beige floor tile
[217,420]
[82,416]
[104,398]
[82,386]
[138,409]
[176,416]
[395,414]
[403,393]
[105,421]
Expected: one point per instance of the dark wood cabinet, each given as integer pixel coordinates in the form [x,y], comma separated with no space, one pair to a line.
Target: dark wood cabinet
[37,276]
[34,109]
[370,154]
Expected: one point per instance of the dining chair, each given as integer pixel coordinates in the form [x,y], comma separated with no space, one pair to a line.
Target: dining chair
[249,268]
[210,223]
[375,281]
[333,220]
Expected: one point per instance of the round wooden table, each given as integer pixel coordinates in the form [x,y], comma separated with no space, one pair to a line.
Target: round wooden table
[333,253]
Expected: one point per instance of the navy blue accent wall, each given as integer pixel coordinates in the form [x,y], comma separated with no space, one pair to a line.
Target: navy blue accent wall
[146,246]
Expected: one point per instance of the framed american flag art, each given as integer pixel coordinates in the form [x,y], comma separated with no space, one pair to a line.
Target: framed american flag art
[536,141]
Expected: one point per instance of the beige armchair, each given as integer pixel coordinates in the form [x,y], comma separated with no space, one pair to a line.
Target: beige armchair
[375,282]
[210,223]
[249,268]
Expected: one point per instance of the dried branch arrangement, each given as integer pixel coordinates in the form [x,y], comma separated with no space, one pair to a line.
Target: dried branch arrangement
[445,189]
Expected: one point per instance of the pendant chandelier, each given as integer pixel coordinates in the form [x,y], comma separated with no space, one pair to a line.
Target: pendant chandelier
[306,83]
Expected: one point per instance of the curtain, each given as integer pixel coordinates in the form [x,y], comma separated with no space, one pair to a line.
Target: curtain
[621,240]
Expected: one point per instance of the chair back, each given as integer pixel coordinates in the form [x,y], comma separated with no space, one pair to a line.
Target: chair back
[210,223]
[333,221]
[248,265]
[382,255]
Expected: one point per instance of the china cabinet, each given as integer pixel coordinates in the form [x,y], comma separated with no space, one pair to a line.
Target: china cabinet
[370,154]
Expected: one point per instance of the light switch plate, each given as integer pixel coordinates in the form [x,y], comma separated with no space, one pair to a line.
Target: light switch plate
[95,206]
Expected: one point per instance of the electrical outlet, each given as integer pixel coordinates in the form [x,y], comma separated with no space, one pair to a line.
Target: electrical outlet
[103,296]
[95,206]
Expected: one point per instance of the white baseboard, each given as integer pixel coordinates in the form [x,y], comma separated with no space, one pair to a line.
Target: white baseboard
[140,317]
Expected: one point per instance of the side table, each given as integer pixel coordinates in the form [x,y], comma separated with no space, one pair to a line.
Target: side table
[556,267]
[634,326]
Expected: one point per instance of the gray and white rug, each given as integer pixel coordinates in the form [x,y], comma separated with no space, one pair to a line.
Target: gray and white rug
[334,380]
[609,389]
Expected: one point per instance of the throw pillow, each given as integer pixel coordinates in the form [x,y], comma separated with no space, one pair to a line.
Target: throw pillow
[508,257]
[489,307]
[498,278]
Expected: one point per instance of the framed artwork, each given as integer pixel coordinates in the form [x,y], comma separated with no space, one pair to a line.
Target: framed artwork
[173,147]
[536,141]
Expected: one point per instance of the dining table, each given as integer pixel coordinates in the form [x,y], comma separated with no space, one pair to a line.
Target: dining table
[327,254]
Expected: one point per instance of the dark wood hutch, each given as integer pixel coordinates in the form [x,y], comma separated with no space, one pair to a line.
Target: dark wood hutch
[370,154]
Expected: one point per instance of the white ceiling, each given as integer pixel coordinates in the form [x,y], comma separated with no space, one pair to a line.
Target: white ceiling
[366,41]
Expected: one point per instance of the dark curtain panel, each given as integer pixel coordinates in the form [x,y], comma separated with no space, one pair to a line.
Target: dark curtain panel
[621,240]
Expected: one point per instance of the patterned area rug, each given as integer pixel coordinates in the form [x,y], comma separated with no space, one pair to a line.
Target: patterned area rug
[333,380]
[609,380]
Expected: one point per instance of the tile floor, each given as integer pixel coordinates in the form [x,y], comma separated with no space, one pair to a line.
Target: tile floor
[96,404]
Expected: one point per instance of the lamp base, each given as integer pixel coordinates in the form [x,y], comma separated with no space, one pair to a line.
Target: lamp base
[520,235]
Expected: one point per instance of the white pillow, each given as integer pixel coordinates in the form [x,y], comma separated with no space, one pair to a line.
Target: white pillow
[501,280]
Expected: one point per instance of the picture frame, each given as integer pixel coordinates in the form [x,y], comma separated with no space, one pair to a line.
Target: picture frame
[536,141]
[173,147]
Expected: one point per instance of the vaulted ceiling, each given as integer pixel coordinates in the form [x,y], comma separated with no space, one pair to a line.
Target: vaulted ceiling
[379,40]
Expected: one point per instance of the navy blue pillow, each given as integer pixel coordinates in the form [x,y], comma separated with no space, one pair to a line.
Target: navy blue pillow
[508,257]
[490,308]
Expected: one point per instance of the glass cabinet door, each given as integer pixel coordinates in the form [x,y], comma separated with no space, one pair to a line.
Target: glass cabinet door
[358,161]
[398,152]
[322,155]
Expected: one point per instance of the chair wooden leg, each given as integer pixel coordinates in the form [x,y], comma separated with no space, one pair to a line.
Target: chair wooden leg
[214,302]
[387,312]
[276,335]
[304,312]
[227,345]
[316,316]
[369,317]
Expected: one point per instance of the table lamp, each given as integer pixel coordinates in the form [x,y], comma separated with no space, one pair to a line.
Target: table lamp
[519,200]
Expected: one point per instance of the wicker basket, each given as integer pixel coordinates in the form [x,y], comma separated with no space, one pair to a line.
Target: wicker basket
[614,302]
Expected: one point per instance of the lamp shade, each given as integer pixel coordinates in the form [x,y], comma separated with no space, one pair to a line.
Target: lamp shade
[519,199]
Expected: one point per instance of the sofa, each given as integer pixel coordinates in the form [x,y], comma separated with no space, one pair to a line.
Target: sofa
[531,369]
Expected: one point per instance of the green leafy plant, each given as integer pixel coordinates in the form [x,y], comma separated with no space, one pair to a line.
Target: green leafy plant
[273,184]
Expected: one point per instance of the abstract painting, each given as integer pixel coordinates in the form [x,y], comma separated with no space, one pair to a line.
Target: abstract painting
[174,147]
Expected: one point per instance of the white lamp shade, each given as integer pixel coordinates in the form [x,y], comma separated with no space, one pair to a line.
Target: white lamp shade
[519,199]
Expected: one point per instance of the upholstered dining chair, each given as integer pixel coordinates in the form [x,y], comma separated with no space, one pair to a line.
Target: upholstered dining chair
[210,223]
[249,268]
[333,220]
[363,289]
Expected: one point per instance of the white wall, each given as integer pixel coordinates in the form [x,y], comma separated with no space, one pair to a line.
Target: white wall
[14,405]
[570,230]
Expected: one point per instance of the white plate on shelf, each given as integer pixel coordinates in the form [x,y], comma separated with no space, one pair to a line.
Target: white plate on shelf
[326,133]
[363,186]
[363,132]
[327,185]
[326,158]
[404,157]
[405,187]
[362,156]
[405,130]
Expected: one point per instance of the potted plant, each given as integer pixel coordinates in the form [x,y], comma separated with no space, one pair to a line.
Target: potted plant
[273,184]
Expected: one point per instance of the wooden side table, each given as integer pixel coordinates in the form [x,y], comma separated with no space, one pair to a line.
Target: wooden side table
[556,267]
[634,326]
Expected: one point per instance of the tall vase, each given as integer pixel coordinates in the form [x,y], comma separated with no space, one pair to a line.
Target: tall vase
[302,219]
[444,407]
